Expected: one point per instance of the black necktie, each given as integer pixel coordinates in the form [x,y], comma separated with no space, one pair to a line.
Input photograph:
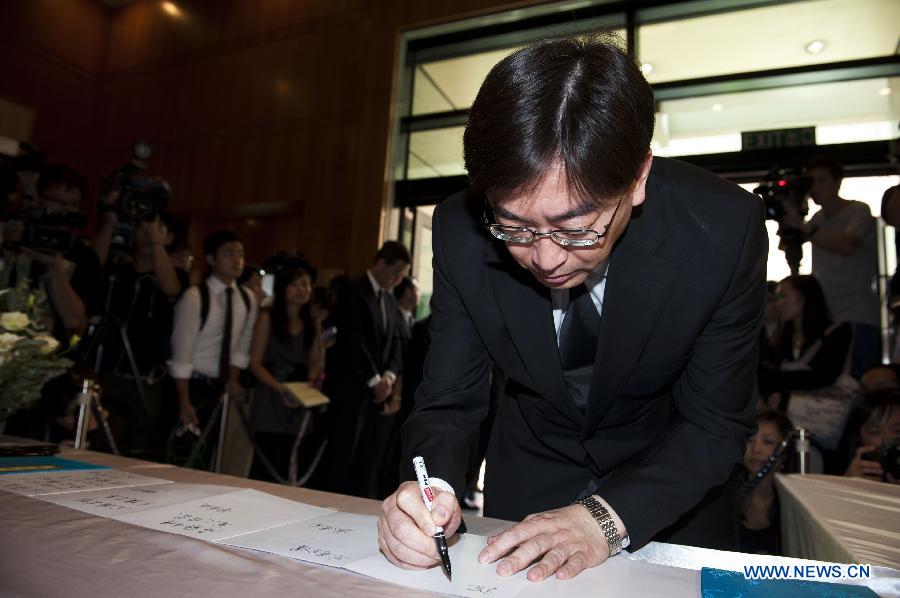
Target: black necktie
[225,353]
[578,343]
[382,315]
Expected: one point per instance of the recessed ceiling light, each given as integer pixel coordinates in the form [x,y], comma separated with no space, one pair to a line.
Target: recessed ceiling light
[884,91]
[717,107]
[815,46]
[646,68]
[171,9]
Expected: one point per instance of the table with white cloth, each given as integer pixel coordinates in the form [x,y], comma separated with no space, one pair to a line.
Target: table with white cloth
[50,550]
[840,519]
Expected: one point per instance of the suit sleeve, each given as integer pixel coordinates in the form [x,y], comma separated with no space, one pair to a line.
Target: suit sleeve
[714,407]
[353,348]
[452,399]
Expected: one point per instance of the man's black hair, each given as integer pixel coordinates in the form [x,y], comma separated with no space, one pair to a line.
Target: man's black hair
[392,252]
[218,238]
[581,103]
[830,164]
[60,174]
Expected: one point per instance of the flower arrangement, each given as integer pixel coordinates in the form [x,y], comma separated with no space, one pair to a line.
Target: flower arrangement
[29,356]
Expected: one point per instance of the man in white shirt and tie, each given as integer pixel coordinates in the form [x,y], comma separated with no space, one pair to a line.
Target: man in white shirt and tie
[211,334]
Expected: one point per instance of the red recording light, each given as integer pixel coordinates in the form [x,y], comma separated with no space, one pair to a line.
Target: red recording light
[782,183]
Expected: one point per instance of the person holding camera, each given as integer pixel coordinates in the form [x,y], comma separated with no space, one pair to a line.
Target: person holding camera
[844,258]
[142,286]
[42,251]
[211,335]
[876,425]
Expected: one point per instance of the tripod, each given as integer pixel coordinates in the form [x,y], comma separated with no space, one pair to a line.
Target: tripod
[98,333]
[89,401]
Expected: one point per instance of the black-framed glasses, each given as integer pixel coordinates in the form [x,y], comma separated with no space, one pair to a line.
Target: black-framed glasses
[567,237]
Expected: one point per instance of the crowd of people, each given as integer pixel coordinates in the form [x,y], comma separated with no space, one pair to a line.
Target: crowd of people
[166,339]
[165,350]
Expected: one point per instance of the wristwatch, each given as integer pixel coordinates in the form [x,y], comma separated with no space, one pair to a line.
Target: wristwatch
[605,521]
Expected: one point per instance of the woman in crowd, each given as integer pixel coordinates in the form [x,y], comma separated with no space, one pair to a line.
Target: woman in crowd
[759,503]
[286,348]
[873,428]
[810,350]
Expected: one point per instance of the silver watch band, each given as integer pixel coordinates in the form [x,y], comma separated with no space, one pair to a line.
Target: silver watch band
[605,521]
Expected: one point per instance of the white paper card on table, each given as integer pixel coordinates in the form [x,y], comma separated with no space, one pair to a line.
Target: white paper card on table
[470,579]
[119,501]
[334,540]
[39,484]
[224,516]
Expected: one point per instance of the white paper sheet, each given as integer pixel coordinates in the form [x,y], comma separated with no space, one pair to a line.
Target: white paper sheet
[223,516]
[334,540]
[119,501]
[470,579]
[39,484]
[620,578]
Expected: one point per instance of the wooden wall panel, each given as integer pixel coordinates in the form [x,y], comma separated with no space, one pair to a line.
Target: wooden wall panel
[253,106]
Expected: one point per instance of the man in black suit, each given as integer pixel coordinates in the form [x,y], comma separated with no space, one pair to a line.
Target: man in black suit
[621,298]
[361,370]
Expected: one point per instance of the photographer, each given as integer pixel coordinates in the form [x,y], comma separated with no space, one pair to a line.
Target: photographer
[142,286]
[844,258]
[45,253]
[876,425]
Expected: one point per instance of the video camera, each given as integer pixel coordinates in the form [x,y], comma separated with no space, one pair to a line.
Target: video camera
[781,186]
[140,198]
[888,455]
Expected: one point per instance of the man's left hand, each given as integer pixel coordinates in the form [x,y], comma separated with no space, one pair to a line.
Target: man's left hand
[563,542]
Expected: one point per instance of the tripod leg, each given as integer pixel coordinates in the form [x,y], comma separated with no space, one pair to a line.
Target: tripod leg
[81,428]
[104,423]
[292,469]
[223,422]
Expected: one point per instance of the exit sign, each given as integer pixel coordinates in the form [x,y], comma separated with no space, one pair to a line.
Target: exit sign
[757,140]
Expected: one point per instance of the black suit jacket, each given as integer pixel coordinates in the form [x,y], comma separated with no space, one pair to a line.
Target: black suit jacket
[673,392]
[363,349]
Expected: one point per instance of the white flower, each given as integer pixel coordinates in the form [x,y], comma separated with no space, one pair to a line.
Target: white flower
[14,321]
[8,341]
[50,343]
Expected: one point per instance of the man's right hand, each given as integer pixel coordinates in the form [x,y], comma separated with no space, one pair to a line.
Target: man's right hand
[406,528]
[187,414]
[382,390]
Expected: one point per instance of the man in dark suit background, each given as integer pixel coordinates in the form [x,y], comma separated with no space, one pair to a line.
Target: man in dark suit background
[621,298]
[361,370]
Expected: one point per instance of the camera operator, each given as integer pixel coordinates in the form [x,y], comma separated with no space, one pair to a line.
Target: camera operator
[43,250]
[142,286]
[876,424]
[844,258]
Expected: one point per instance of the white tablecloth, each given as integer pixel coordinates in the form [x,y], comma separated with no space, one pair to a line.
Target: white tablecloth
[844,520]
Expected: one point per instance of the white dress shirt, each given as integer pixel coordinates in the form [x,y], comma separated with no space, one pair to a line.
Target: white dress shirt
[197,351]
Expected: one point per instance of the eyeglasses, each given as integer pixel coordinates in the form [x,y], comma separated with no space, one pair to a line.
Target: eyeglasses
[567,237]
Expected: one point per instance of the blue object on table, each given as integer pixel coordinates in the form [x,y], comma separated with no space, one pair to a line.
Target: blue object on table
[716,583]
[9,465]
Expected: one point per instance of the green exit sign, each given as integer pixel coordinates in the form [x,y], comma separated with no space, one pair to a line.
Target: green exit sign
[757,140]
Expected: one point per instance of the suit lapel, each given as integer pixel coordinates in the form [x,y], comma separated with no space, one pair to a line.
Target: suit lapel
[527,311]
[637,285]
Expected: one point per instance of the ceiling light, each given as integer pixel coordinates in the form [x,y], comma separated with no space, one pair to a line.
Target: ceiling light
[717,107]
[884,92]
[646,68]
[815,46]
[171,9]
